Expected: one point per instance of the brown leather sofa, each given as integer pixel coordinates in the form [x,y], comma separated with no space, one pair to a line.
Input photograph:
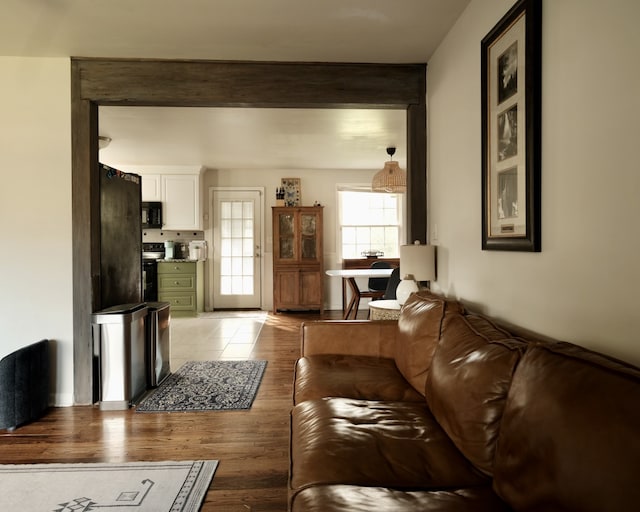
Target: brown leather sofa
[446,411]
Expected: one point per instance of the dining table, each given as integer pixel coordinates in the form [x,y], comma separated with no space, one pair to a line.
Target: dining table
[349,276]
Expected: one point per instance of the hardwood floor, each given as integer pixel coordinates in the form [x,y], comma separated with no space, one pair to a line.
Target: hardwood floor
[252,446]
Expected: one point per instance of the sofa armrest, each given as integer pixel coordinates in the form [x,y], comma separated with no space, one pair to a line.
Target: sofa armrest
[349,337]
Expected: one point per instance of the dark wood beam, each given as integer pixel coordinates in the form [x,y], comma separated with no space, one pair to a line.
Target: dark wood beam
[85,197]
[251,84]
[416,173]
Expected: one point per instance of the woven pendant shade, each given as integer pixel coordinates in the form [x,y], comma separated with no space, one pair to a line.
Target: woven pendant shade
[390,179]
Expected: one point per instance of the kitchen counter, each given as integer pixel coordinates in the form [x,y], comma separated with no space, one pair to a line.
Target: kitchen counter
[179,260]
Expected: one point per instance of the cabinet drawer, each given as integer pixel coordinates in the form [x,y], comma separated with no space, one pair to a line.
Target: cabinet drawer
[179,301]
[177,267]
[182,282]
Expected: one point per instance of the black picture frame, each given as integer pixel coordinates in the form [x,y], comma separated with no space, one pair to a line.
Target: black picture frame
[511,65]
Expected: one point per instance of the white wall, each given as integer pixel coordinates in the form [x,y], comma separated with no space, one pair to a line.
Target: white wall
[35,212]
[316,185]
[583,286]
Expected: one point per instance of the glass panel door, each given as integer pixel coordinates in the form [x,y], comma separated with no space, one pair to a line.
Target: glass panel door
[236,250]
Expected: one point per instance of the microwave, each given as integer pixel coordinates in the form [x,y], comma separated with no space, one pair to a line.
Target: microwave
[151,214]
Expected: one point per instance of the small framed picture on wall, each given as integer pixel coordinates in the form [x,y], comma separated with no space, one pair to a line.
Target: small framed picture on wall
[291,188]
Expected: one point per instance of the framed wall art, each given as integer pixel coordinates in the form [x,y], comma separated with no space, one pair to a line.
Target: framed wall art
[511,130]
[291,188]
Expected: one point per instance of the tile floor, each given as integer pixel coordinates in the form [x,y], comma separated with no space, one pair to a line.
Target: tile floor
[213,336]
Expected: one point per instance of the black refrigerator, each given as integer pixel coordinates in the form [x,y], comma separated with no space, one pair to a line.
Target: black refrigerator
[120,237]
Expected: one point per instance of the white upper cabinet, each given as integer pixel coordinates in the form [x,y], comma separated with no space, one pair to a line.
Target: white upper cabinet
[151,187]
[179,190]
[181,201]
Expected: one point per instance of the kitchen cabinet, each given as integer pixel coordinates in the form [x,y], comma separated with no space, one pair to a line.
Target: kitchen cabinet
[298,258]
[151,187]
[181,201]
[179,190]
[181,284]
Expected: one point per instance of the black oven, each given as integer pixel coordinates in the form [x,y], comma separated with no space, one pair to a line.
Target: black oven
[151,253]
[150,284]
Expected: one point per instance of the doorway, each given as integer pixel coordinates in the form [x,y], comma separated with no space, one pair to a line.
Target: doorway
[97,82]
[236,247]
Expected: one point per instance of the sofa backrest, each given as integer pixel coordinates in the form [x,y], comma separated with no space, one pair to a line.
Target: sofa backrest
[468,382]
[419,327]
[570,435]
[24,384]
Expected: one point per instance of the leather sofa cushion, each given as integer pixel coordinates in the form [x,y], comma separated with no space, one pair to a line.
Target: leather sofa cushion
[468,384]
[419,327]
[363,377]
[570,434]
[338,498]
[349,337]
[371,443]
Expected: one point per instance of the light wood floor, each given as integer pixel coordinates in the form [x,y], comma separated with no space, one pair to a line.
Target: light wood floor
[252,446]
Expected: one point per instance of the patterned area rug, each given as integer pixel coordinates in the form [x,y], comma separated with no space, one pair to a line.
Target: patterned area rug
[207,386]
[123,487]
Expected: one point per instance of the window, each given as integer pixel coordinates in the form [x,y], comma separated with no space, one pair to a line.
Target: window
[369,221]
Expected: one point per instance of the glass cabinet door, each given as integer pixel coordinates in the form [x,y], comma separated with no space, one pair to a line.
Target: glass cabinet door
[308,229]
[286,232]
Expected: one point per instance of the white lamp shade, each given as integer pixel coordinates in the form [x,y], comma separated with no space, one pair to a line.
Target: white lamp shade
[418,261]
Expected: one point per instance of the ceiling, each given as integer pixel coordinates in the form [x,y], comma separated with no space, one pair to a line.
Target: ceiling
[376,31]
[247,138]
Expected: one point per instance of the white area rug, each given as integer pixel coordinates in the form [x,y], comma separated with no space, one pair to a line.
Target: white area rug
[123,487]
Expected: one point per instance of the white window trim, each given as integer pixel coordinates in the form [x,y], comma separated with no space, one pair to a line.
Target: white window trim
[363,187]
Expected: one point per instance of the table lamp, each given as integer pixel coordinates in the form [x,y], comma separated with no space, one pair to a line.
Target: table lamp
[417,263]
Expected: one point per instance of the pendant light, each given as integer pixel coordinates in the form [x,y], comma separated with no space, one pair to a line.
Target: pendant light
[391,178]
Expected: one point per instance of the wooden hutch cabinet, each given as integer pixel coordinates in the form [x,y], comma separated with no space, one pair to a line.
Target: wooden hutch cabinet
[297,258]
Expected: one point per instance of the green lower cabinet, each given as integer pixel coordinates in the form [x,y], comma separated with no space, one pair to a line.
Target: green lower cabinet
[181,284]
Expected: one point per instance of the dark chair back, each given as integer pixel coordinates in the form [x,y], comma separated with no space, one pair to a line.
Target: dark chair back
[394,280]
[378,284]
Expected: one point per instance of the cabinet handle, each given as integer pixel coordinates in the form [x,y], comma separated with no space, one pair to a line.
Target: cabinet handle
[176,282]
